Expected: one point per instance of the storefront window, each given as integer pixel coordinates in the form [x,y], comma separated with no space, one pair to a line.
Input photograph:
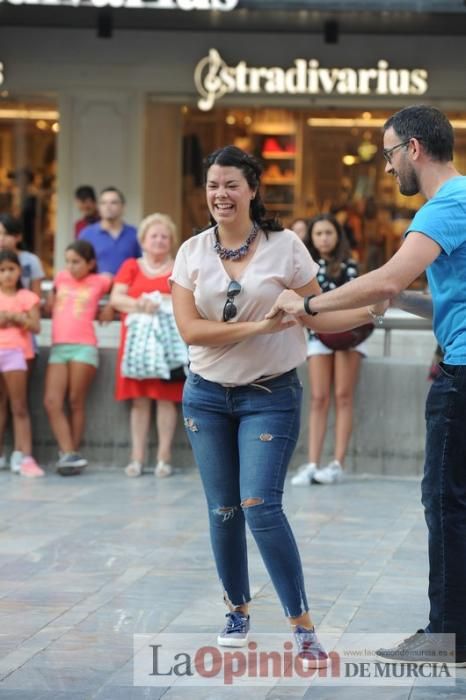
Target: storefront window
[28,139]
[319,161]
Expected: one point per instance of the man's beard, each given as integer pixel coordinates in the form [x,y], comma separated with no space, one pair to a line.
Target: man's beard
[409,183]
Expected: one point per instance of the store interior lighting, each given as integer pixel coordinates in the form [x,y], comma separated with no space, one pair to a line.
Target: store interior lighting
[359,122]
[34,114]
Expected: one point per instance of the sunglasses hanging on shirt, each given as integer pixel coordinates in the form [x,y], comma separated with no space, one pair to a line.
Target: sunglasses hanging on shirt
[230,310]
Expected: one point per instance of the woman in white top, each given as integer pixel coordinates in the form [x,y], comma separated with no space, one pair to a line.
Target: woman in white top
[242,398]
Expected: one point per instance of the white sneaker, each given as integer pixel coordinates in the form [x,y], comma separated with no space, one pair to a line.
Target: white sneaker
[303,476]
[3,462]
[331,474]
[15,461]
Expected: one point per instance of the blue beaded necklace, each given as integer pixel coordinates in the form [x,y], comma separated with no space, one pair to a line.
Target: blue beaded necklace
[238,253]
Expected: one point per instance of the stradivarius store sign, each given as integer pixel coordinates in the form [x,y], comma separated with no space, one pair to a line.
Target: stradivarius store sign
[214,78]
[222,5]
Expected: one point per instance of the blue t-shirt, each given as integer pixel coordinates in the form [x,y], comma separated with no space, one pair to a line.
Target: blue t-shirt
[443,219]
[111,252]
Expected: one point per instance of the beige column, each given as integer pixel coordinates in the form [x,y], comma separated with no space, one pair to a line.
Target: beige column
[163,161]
[100,144]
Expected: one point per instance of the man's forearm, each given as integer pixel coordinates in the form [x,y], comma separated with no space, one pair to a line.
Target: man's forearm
[416,303]
[369,289]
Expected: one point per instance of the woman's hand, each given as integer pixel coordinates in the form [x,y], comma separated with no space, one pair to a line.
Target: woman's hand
[288,302]
[146,306]
[275,324]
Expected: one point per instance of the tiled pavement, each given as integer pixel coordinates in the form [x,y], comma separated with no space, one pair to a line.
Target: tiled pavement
[86,562]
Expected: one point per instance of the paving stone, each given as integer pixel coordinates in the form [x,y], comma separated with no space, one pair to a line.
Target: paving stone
[86,563]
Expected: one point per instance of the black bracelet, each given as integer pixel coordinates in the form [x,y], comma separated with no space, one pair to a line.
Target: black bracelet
[307,308]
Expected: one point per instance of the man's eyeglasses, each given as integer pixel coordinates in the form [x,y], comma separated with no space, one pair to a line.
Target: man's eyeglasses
[387,152]
[230,310]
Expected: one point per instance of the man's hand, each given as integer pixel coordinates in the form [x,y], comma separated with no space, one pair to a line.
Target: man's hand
[275,324]
[289,302]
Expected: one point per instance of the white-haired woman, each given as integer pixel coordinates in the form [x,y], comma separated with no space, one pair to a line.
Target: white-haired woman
[134,280]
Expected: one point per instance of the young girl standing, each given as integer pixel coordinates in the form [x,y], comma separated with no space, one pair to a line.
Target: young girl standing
[73,357]
[19,317]
[32,274]
[328,246]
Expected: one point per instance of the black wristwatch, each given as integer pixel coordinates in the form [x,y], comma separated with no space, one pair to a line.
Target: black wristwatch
[307,308]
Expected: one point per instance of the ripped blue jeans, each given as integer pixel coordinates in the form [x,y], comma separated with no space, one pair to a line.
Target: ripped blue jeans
[243,438]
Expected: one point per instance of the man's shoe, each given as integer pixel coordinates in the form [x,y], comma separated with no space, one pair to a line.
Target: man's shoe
[236,631]
[70,464]
[331,474]
[424,647]
[310,650]
[303,476]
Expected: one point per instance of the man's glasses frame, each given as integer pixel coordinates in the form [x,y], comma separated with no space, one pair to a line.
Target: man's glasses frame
[387,152]
[230,310]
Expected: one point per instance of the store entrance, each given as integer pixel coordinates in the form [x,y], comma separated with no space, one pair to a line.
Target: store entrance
[319,161]
[28,143]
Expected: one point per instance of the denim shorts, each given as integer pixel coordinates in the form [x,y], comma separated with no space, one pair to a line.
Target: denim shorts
[12,360]
[62,353]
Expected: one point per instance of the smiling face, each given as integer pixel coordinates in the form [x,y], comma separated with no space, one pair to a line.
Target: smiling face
[324,238]
[228,195]
[399,164]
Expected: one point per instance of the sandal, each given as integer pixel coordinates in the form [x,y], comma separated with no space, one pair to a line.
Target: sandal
[163,469]
[134,468]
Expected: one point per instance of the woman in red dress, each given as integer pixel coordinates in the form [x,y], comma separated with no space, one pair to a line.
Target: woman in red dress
[135,279]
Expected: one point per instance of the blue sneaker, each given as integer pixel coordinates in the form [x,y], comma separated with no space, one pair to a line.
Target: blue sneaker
[236,631]
[310,650]
[70,464]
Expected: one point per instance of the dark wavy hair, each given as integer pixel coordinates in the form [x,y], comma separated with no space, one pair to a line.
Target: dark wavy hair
[342,249]
[231,156]
[10,256]
[85,250]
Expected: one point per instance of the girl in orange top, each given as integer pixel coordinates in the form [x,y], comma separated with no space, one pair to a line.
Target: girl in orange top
[19,317]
